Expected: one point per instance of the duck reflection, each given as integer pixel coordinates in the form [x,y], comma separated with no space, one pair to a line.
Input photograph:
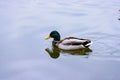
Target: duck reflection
[55,52]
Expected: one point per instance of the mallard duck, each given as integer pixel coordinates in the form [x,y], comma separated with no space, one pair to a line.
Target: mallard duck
[69,43]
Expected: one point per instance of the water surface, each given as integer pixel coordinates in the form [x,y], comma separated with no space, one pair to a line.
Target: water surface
[25,23]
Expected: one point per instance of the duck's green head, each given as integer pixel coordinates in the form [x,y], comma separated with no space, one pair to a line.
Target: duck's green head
[55,35]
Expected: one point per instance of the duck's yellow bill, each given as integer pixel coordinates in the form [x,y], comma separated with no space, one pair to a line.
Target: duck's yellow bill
[48,37]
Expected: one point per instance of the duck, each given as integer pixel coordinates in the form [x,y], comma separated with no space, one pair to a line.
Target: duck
[68,43]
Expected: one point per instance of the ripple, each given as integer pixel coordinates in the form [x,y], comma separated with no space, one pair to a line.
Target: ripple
[70,13]
[105,44]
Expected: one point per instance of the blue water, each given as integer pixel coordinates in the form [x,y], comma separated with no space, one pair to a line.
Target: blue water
[25,23]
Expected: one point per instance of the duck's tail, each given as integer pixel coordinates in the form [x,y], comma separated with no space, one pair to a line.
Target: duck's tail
[87,43]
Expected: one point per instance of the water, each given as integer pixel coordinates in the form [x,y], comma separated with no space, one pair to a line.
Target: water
[25,23]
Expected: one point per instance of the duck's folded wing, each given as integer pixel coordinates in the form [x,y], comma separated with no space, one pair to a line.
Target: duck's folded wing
[74,41]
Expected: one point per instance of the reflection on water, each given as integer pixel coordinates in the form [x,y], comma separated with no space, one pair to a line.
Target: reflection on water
[55,52]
